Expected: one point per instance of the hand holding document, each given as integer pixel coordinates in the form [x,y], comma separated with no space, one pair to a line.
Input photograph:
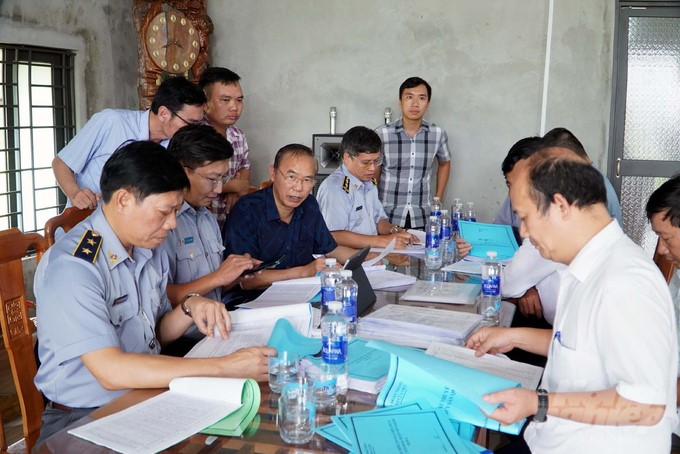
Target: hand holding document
[457,389]
[253,327]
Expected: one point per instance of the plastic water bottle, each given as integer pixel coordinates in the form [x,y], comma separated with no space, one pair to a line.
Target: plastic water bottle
[329,278]
[446,243]
[470,213]
[346,291]
[436,207]
[490,299]
[433,255]
[334,340]
[456,215]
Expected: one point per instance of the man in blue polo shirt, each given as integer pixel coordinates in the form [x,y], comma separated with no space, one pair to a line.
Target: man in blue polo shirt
[79,164]
[283,220]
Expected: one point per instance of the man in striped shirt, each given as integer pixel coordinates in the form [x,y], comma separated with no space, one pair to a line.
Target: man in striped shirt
[410,145]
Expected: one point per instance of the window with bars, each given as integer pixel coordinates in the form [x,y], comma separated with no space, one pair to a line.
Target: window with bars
[36,121]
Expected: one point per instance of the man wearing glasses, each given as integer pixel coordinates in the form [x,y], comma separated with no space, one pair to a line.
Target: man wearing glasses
[348,198]
[195,247]
[79,164]
[283,220]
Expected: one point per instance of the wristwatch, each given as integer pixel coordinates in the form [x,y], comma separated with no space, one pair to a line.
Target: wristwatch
[542,413]
[184,306]
[395,229]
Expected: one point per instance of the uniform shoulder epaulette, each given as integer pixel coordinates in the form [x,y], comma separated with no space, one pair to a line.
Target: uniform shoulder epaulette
[89,246]
[345,185]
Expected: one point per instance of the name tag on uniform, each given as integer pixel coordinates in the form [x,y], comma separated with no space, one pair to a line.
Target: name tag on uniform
[120,299]
[187,240]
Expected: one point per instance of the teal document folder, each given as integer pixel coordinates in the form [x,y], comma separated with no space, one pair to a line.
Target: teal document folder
[489,237]
[457,389]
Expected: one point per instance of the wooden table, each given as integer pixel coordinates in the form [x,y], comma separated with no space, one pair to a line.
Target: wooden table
[263,436]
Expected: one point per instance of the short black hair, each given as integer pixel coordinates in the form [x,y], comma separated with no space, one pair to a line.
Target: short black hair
[143,168]
[563,138]
[360,139]
[413,82]
[217,74]
[293,149]
[198,145]
[580,183]
[522,149]
[666,199]
[177,92]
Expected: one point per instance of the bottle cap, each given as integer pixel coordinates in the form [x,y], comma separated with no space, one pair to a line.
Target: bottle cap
[331,262]
[491,254]
[346,273]
[335,305]
[445,212]
[433,218]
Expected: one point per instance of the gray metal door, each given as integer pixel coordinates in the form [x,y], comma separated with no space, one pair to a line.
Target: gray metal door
[645,127]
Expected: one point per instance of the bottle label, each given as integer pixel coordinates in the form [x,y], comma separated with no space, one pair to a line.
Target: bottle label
[327,294]
[334,351]
[491,285]
[349,307]
[436,212]
[431,241]
[446,232]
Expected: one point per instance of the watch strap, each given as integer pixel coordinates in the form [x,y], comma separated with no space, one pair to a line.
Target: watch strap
[184,306]
[542,412]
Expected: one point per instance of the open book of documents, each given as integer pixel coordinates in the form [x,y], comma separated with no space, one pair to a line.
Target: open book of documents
[191,405]
[414,428]
[489,237]
[457,389]
[528,375]
[442,292]
[417,326]
[252,327]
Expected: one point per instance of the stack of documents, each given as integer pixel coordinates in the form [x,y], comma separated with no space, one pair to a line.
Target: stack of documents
[417,326]
[410,428]
[368,367]
[442,292]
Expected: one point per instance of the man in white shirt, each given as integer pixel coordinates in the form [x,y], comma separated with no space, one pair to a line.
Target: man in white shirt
[663,211]
[608,385]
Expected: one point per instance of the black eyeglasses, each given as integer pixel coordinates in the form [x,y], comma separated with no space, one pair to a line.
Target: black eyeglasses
[202,121]
[214,182]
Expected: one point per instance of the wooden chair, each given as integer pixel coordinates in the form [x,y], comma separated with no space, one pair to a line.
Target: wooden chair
[666,266]
[17,329]
[68,219]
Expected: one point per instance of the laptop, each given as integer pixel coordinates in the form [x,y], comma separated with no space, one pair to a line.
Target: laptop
[366,296]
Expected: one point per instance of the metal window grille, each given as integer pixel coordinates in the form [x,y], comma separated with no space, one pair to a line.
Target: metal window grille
[36,121]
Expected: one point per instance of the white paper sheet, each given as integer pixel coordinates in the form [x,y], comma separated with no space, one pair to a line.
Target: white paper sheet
[529,376]
[282,295]
[251,328]
[162,421]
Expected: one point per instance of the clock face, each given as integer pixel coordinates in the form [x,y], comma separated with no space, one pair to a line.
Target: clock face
[172,42]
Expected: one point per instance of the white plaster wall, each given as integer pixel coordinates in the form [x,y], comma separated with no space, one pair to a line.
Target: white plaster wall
[99,31]
[484,59]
